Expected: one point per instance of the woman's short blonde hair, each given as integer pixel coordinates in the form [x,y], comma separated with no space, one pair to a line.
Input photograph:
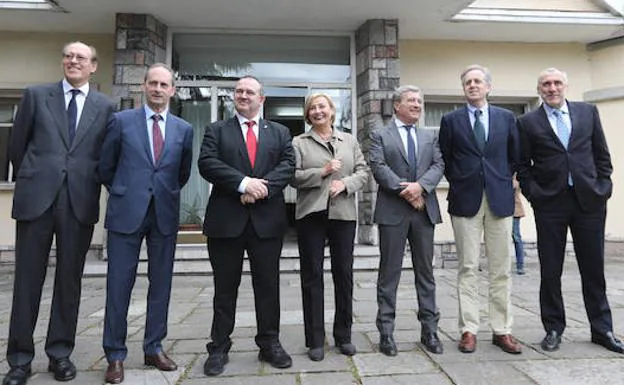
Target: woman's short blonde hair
[308,104]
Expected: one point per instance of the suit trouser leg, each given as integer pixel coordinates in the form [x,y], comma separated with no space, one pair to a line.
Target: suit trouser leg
[341,237]
[467,232]
[226,259]
[391,248]
[420,237]
[123,258]
[32,249]
[551,222]
[311,235]
[72,244]
[264,256]
[160,255]
[587,230]
[497,235]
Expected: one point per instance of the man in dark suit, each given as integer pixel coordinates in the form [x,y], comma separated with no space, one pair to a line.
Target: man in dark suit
[249,161]
[479,145]
[55,148]
[146,160]
[565,172]
[407,164]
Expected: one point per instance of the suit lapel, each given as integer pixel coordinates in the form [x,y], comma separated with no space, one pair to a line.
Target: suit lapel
[464,123]
[492,127]
[56,105]
[141,120]
[235,125]
[574,119]
[263,137]
[393,131]
[171,131]
[544,123]
[90,111]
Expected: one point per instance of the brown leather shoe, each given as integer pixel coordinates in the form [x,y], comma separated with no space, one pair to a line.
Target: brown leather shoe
[507,343]
[114,372]
[468,343]
[161,362]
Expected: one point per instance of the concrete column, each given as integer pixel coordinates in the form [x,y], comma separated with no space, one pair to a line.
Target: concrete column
[378,74]
[140,41]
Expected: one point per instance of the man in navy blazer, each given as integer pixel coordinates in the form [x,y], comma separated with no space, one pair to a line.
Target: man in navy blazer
[57,193]
[479,146]
[146,159]
[565,172]
[249,161]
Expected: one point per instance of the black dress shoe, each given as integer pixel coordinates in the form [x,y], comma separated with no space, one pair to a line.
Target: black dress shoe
[275,355]
[215,364]
[347,348]
[18,375]
[609,341]
[432,343]
[551,341]
[387,345]
[316,354]
[63,369]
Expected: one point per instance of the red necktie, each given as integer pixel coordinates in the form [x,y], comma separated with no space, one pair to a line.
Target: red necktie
[157,138]
[251,142]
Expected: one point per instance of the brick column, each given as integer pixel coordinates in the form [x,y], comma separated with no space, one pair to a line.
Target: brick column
[377,69]
[140,41]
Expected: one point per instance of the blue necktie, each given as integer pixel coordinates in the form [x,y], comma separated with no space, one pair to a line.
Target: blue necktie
[479,130]
[72,116]
[411,153]
[563,132]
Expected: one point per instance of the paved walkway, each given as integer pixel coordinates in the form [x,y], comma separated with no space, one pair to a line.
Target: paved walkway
[578,361]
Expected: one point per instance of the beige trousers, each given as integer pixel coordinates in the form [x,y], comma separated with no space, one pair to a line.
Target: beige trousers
[496,232]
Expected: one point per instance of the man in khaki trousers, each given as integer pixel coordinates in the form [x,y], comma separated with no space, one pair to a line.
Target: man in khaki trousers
[479,147]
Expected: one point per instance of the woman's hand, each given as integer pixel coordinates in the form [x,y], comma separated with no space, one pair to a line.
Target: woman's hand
[336,187]
[331,167]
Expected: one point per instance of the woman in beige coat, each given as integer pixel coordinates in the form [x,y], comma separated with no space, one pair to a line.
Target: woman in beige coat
[330,169]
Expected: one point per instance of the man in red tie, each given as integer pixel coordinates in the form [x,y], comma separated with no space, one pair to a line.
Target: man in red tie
[146,159]
[249,161]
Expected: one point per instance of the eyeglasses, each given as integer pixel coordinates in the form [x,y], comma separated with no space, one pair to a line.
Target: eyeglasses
[78,58]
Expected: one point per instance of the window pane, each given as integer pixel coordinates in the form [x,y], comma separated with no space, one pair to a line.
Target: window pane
[6,113]
[269,57]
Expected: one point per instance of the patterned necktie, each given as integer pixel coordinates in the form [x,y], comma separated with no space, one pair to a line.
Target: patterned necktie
[479,130]
[72,116]
[411,153]
[563,131]
[157,138]
[251,142]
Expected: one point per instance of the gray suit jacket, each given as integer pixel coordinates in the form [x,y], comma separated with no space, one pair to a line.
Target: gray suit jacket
[43,158]
[390,167]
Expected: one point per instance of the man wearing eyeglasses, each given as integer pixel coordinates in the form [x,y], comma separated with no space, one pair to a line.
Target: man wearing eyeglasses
[55,147]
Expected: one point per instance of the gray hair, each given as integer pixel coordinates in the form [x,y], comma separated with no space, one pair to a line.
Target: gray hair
[398,93]
[161,65]
[476,67]
[552,71]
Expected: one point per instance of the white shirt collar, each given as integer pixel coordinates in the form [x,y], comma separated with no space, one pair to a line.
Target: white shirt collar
[149,112]
[243,119]
[68,87]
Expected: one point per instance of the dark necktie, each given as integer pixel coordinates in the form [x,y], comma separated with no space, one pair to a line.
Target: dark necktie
[157,138]
[72,116]
[411,153]
[479,130]
[251,142]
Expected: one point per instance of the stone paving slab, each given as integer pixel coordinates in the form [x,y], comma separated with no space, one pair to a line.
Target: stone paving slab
[577,362]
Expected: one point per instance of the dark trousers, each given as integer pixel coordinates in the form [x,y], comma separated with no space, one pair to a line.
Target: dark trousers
[226,258]
[312,231]
[418,230]
[32,250]
[123,259]
[552,220]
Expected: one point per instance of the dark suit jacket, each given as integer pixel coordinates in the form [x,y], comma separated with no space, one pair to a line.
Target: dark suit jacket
[43,158]
[223,161]
[131,177]
[389,164]
[545,163]
[470,171]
